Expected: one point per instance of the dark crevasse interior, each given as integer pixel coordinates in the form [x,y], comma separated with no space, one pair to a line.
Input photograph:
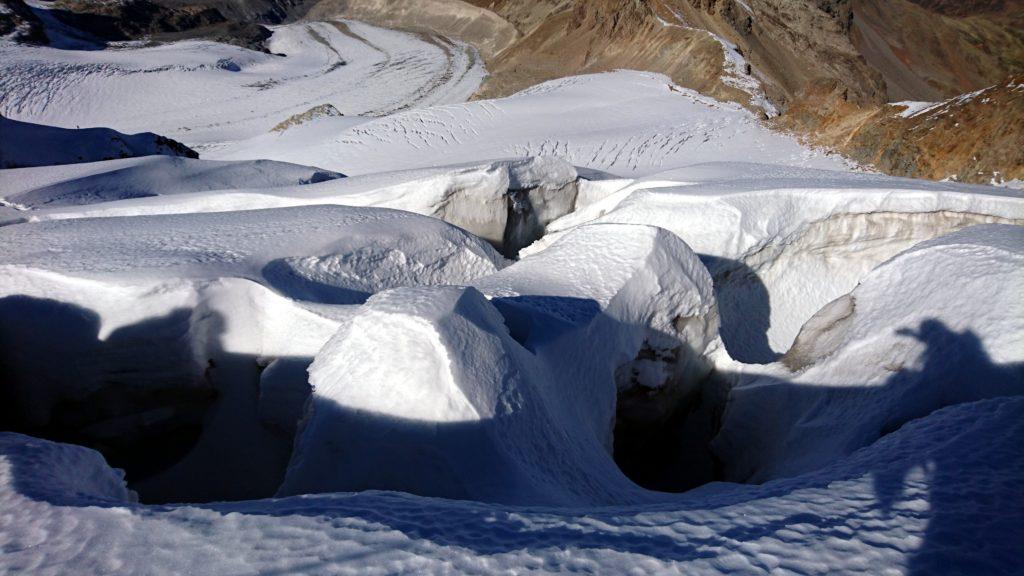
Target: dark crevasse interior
[223,429]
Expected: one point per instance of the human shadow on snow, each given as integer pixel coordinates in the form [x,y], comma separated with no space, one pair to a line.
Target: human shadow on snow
[951,370]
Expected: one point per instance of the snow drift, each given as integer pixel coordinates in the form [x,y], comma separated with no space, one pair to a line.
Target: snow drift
[26,144]
[506,202]
[902,344]
[91,183]
[512,401]
[781,242]
[164,326]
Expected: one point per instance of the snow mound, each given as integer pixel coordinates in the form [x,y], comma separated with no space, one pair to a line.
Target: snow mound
[781,242]
[25,144]
[903,343]
[430,378]
[58,472]
[163,324]
[320,253]
[610,303]
[162,375]
[515,400]
[143,177]
[506,202]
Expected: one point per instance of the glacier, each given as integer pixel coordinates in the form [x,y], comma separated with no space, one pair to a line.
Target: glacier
[604,325]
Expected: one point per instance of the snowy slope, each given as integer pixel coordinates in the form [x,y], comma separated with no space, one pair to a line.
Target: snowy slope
[623,122]
[94,182]
[254,324]
[895,507]
[25,144]
[205,93]
[307,252]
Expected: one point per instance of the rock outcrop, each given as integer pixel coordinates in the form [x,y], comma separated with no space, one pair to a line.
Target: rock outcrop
[19,23]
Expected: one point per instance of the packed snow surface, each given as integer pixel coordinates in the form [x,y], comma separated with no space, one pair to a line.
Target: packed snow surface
[205,93]
[308,355]
[897,506]
[623,122]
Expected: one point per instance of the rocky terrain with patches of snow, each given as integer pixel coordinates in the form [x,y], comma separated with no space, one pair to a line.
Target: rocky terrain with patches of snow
[605,324]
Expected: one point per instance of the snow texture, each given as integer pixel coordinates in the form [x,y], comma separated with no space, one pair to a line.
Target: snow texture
[323,374]
[25,144]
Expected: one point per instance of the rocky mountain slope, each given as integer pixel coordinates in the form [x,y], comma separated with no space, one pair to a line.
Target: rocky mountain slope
[828,67]
[974,137]
[19,23]
[933,50]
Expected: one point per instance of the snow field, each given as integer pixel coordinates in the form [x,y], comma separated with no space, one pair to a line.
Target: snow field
[249,325]
[207,94]
[626,123]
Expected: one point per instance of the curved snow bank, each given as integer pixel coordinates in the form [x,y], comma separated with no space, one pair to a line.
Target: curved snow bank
[939,324]
[904,502]
[323,253]
[160,375]
[25,144]
[782,242]
[506,202]
[161,326]
[142,177]
[58,472]
[518,414]
[428,379]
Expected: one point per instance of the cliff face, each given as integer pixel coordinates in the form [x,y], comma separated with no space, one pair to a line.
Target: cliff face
[973,137]
[792,44]
[783,44]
